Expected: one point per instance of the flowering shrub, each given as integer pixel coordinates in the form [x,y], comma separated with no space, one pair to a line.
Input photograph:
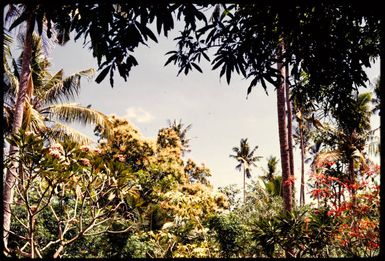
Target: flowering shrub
[357,216]
[64,192]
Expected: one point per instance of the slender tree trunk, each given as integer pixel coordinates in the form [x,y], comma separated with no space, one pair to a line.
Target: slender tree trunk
[11,173]
[244,185]
[283,137]
[352,179]
[32,235]
[302,190]
[289,127]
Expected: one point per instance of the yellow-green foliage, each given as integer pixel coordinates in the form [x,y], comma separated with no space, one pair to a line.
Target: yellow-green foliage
[176,196]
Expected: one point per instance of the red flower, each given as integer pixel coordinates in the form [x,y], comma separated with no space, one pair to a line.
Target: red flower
[289,181]
[333,179]
[316,192]
[353,186]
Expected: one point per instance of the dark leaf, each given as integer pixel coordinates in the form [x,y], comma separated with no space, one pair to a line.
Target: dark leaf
[205,56]
[170,59]
[197,67]
[103,74]
[223,70]
[228,74]
[18,21]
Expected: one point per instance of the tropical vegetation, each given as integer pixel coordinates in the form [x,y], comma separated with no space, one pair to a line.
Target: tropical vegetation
[131,196]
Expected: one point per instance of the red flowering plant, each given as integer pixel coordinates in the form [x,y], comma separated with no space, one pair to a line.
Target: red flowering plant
[329,183]
[357,229]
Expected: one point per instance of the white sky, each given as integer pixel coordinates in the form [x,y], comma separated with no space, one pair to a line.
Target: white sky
[219,113]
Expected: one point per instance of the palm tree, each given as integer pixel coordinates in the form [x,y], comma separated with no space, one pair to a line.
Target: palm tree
[354,125]
[25,76]
[377,98]
[44,108]
[179,128]
[303,107]
[272,182]
[346,141]
[289,123]
[271,168]
[246,160]
[283,131]
[40,108]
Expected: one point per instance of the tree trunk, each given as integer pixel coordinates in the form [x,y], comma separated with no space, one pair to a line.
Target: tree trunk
[302,190]
[283,137]
[289,127]
[244,186]
[11,173]
[352,179]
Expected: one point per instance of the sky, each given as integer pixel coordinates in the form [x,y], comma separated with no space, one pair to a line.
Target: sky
[220,114]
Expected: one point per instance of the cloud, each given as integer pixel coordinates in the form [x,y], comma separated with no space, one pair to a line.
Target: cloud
[138,114]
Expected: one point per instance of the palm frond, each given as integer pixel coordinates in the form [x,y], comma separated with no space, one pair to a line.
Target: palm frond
[58,89]
[51,83]
[7,42]
[60,132]
[13,12]
[62,34]
[238,167]
[71,112]
[359,157]
[7,119]
[16,68]
[11,81]
[329,156]
[34,120]
[248,173]
[251,154]
[27,115]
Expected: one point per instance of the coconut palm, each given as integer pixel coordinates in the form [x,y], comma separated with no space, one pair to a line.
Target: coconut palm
[355,126]
[11,173]
[272,182]
[41,110]
[45,111]
[246,160]
[283,129]
[26,11]
[272,163]
[303,107]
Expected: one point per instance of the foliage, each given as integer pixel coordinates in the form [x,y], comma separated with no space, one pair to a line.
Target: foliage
[46,110]
[357,232]
[228,231]
[86,198]
[136,197]
[179,128]
[231,192]
[197,173]
[245,40]
[64,192]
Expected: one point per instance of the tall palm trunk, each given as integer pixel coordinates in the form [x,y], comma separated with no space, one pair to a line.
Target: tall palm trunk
[289,125]
[11,173]
[302,190]
[283,135]
[244,185]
